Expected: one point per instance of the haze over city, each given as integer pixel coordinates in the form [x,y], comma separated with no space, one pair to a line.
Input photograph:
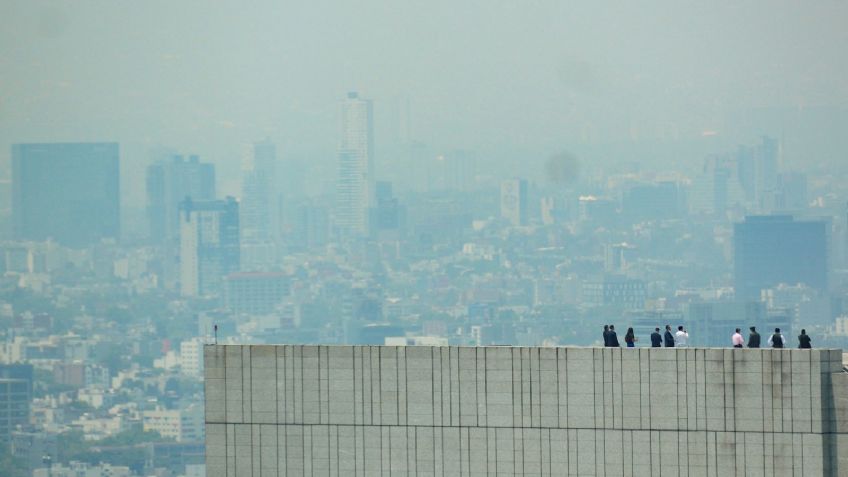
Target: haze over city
[514,81]
[442,175]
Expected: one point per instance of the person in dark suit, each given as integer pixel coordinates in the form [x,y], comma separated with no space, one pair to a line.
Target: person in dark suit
[613,337]
[606,336]
[804,341]
[669,338]
[656,339]
[754,338]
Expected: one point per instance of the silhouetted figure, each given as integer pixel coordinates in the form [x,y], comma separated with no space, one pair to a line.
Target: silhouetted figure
[656,339]
[669,338]
[737,339]
[606,336]
[776,340]
[613,337]
[754,338]
[630,338]
[804,341]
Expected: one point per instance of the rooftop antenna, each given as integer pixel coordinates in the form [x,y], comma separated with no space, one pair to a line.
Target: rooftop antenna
[216,334]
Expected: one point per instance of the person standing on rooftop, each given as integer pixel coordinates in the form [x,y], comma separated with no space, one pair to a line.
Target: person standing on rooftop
[606,336]
[681,338]
[804,341]
[613,337]
[754,338]
[656,339]
[776,340]
[630,338]
[737,339]
[669,338]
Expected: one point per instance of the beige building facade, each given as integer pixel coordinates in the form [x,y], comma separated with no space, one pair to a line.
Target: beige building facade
[450,411]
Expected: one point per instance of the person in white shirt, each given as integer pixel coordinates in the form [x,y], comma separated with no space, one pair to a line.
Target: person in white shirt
[681,338]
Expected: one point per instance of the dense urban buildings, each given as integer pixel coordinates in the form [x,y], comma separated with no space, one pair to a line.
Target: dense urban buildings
[440,252]
[361,410]
[115,330]
[209,245]
[68,192]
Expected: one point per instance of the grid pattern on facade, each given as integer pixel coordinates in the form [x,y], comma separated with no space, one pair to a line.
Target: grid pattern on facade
[338,410]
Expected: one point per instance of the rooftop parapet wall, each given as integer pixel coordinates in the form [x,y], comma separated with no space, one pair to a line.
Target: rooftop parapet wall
[788,406]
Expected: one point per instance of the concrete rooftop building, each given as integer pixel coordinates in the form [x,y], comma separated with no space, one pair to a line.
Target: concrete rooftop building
[450,411]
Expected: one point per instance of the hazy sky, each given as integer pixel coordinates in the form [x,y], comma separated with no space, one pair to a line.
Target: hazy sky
[484,75]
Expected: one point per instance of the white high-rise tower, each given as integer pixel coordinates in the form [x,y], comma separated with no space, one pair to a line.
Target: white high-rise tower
[356,165]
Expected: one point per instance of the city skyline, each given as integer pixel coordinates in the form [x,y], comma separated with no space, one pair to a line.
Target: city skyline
[701,92]
[282,237]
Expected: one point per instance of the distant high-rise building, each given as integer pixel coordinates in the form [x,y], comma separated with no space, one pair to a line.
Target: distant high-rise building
[209,244]
[597,209]
[618,257]
[356,165]
[547,207]
[746,172]
[259,202]
[169,183]
[615,290]
[66,191]
[652,201]
[15,398]
[514,201]
[767,166]
[845,238]
[770,250]
[717,188]
[387,215]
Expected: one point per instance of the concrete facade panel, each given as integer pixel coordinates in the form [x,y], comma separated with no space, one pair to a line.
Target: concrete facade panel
[337,410]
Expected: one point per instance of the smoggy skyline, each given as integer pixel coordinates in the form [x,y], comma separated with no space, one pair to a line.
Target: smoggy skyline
[508,80]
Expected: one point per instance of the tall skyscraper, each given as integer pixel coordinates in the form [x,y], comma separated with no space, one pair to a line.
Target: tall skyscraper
[209,244]
[718,188]
[259,202]
[66,191]
[15,398]
[767,165]
[746,172]
[770,250]
[845,238]
[170,182]
[356,165]
[514,201]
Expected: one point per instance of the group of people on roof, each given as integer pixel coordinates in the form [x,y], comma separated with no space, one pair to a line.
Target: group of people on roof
[680,339]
